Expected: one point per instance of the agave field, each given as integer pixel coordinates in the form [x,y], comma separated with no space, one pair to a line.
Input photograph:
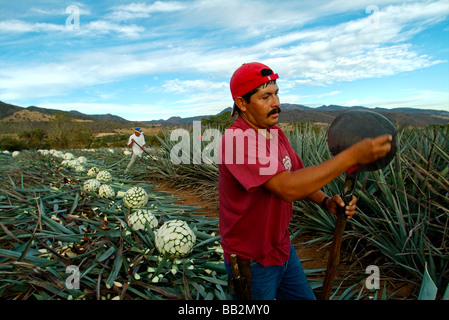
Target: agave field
[402,225]
[63,238]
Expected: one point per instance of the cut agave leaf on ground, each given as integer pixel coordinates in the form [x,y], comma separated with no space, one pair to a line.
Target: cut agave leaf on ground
[81,229]
[428,289]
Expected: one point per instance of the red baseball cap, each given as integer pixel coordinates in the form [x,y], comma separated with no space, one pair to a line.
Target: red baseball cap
[248,77]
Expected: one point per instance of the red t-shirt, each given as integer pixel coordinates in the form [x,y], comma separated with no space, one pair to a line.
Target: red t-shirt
[253,221]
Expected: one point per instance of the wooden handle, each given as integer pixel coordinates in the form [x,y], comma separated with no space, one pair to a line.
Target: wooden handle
[340,225]
[334,254]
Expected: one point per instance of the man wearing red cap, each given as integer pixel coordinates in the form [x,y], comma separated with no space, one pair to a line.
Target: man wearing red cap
[260,175]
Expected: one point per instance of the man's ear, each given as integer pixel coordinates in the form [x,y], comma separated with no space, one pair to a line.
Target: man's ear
[240,103]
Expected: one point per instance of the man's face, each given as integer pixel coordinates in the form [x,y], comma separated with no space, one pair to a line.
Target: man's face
[137,133]
[262,112]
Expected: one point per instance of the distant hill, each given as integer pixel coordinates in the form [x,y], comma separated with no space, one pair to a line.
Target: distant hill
[326,114]
[7,110]
[290,112]
[402,110]
[173,121]
[398,116]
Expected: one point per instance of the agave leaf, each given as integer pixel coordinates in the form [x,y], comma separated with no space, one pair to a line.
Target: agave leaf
[16,255]
[212,239]
[428,289]
[115,269]
[214,280]
[106,254]
[446,294]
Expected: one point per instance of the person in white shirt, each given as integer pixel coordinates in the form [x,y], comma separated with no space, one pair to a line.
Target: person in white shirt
[137,142]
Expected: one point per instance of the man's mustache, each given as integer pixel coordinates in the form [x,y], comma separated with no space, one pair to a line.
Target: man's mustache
[273,111]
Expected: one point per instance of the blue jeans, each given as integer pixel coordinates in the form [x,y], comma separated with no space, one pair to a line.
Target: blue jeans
[285,282]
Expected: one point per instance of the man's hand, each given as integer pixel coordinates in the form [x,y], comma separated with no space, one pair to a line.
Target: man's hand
[131,143]
[370,149]
[336,201]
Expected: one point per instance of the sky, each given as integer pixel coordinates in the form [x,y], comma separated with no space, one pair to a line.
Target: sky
[148,60]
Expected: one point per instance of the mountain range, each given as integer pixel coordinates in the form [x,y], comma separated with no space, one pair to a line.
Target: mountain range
[290,113]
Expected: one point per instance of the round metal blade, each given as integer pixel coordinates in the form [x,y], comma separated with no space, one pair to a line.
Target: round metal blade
[353,126]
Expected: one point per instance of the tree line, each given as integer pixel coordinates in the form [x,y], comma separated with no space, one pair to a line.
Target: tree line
[64,132]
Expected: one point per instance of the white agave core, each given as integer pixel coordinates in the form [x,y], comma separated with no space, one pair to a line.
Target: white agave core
[92,171]
[176,238]
[106,191]
[104,176]
[135,197]
[92,185]
[138,219]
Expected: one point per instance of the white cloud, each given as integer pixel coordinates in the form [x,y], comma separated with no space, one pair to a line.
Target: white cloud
[18,26]
[92,28]
[105,27]
[355,49]
[59,11]
[201,104]
[144,10]
[329,94]
[191,86]
[229,33]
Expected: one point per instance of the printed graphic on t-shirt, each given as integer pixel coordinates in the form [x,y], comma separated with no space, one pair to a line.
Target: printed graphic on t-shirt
[287,163]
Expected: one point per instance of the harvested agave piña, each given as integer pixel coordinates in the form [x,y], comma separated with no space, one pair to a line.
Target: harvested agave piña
[73,163]
[92,171]
[82,159]
[68,156]
[79,168]
[104,176]
[135,197]
[176,238]
[138,220]
[106,191]
[92,185]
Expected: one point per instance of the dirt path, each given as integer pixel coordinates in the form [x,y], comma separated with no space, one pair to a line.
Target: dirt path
[206,199]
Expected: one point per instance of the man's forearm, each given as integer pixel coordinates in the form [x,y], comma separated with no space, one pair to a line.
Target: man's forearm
[303,183]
